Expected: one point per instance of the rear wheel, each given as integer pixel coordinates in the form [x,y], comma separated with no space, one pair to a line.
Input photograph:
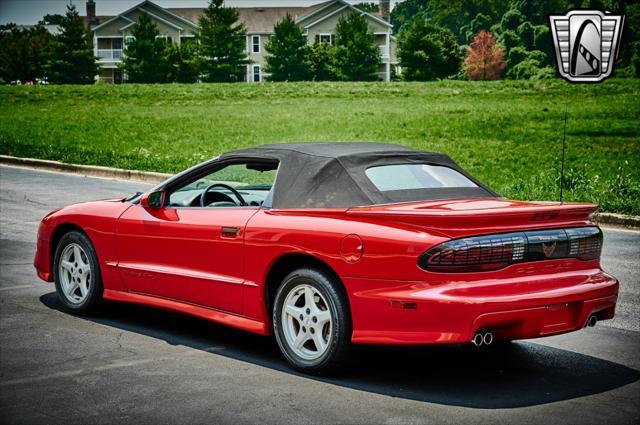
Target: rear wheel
[76,273]
[312,322]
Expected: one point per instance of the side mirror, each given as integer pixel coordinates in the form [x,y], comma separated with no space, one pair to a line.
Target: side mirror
[153,199]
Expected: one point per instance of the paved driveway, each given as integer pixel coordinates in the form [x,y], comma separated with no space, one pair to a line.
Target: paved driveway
[134,364]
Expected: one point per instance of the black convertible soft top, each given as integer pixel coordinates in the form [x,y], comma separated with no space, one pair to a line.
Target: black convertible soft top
[332,174]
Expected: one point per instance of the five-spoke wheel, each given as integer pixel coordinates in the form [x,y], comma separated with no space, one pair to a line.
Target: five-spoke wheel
[76,273]
[306,321]
[312,322]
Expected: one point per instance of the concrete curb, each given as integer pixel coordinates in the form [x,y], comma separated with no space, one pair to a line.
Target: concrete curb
[611,219]
[85,170]
[620,220]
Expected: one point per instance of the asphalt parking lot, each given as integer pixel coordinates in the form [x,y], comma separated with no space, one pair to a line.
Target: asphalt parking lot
[134,364]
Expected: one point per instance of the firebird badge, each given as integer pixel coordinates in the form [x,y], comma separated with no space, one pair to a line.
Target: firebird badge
[549,248]
[586,43]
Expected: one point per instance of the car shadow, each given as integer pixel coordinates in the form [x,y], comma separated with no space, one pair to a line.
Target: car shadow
[506,376]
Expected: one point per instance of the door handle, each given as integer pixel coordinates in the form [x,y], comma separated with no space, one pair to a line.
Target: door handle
[230,232]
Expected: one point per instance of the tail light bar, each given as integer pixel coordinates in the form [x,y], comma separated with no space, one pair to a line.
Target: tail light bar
[493,252]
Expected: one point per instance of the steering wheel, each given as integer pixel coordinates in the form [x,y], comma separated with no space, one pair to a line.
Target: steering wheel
[243,203]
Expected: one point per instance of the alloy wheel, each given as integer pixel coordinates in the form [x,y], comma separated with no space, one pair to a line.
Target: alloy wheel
[75,273]
[306,322]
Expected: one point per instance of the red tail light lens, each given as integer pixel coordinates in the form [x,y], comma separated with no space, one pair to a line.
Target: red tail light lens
[585,243]
[493,252]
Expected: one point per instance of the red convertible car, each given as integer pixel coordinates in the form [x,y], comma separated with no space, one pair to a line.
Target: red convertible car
[331,244]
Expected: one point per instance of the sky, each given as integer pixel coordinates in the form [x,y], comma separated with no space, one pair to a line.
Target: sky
[26,12]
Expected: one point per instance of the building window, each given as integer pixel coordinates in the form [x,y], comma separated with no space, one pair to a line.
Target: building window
[167,39]
[255,43]
[116,48]
[256,73]
[187,40]
[326,38]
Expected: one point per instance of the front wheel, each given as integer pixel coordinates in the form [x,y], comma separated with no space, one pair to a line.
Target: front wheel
[77,274]
[312,322]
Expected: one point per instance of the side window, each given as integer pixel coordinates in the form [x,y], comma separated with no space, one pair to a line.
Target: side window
[326,38]
[255,43]
[234,185]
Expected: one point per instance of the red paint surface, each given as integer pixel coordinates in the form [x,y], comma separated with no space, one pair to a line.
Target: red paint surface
[179,259]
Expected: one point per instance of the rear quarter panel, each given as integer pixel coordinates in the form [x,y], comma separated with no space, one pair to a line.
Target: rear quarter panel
[390,250]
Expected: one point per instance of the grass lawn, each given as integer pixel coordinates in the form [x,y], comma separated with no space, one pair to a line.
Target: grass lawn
[506,133]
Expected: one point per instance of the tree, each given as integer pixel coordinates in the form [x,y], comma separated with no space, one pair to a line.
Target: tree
[509,39]
[511,20]
[515,56]
[23,53]
[367,7]
[485,60]
[527,64]
[288,52]
[428,52]
[144,55]
[72,60]
[357,57]
[322,58]
[536,11]
[526,31]
[222,43]
[182,66]
[51,19]
[405,11]
[542,42]
[477,24]
[457,14]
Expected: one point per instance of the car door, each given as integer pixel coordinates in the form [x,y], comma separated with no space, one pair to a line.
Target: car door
[183,252]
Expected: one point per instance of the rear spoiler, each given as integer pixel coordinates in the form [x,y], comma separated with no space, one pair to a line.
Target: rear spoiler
[518,215]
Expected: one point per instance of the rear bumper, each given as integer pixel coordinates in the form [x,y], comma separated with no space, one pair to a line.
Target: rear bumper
[392,312]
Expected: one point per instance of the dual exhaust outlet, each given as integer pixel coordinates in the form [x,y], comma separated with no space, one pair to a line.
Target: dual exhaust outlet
[484,337]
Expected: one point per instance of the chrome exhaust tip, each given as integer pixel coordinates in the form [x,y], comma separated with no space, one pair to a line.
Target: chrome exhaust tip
[487,338]
[591,322]
[478,339]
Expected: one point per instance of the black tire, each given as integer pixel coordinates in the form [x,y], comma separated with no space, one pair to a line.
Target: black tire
[337,351]
[95,288]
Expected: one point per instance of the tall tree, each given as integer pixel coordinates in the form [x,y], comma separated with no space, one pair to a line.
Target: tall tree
[144,55]
[288,52]
[51,19]
[368,7]
[182,66]
[322,58]
[357,56]
[485,60]
[457,15]
[72,60]
[428,52]
[405,11]
[222,43]
[23,53]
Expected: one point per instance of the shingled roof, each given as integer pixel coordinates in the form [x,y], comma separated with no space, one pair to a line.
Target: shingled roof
[256,19]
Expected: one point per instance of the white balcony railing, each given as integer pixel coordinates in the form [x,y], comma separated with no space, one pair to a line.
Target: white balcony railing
[110,54]
[384,52]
